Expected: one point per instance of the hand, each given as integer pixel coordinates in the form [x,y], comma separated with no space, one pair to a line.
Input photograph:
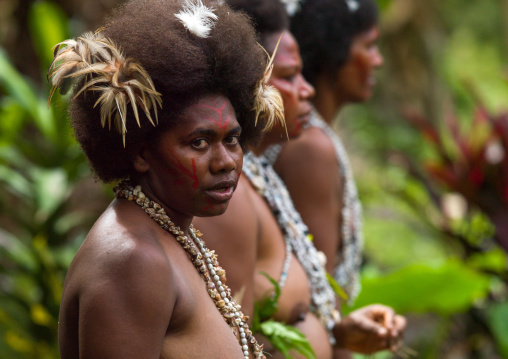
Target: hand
[370,329]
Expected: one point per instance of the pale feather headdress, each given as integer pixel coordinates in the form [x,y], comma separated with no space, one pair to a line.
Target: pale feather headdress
[268,99]
[292,6]
[352,5]
[104,68]
[197,18]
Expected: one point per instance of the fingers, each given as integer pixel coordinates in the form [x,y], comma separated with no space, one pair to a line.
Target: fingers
[373,328]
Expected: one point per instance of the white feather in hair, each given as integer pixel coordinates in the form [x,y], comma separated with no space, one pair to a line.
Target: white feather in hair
[268,100]
[104,68]
[292,6]
[197,18]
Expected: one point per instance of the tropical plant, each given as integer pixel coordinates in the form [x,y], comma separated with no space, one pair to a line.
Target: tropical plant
[465,187]
[283,337]
[472,162]
[45,201]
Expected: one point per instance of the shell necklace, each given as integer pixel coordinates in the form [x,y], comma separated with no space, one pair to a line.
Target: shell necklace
[205,262]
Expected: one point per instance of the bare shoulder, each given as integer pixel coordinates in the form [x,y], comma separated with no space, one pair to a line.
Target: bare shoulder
[311,153]
[122,247]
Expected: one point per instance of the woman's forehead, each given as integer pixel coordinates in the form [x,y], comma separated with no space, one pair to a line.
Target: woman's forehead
[288,52]
[209,111]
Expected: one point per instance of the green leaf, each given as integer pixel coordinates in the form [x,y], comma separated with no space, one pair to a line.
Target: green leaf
[286,337]
[445,289]
[336,287]
[495,261]
[16,253]
[51,191]
[12,117]
[16,86]
[48,26]
[17,184]
[266,308]
[497,315]
[24,94]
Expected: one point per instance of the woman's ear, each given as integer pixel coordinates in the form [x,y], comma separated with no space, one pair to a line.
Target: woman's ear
[139,160]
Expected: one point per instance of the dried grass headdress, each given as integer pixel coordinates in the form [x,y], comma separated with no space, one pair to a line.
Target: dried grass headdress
[268,99]
[104,68]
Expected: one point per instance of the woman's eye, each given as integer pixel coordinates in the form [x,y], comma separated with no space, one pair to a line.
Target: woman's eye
[290,78]
[200,143]
[232,140]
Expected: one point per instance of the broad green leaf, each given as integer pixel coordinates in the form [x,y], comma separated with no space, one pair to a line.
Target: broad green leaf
[48,26]
[23,93]
[494,260]
[286,338]
[16,252]
[12,117]
[444,289]
[16,86]
[16,183]
[497,316]
[51,191]
[11,156]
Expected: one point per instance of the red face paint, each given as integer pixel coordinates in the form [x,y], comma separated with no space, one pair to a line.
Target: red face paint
[187,172]
[223,124]
[209,207]
[295,90]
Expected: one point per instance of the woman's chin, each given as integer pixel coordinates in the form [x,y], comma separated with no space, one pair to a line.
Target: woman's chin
[213,210]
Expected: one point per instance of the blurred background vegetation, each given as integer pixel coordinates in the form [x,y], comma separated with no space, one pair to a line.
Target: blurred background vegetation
[430,153]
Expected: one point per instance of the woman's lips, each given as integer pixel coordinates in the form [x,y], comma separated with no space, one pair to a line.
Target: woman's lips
[221,194]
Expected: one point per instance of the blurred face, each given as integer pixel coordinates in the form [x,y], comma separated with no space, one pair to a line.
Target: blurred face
[355,79]
[287,78]
[194,168]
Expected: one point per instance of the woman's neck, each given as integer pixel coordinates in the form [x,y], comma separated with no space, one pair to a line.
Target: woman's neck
[180,219]
[327,101]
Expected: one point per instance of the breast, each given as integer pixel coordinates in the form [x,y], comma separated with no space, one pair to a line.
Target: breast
[295,295]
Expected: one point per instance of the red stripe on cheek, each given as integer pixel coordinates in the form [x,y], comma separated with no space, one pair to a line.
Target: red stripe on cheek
[192,174]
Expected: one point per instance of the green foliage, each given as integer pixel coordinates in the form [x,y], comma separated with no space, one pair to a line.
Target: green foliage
[266,308]
[337,288]
[286,338]
[42,222]
[419,288]
[490,261]
[48,25]
[497,317]
[283,337]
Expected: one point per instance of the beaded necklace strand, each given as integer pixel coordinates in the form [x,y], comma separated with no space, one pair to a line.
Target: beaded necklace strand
[207,265]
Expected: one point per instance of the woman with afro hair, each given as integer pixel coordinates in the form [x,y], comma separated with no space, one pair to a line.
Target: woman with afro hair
[164,97]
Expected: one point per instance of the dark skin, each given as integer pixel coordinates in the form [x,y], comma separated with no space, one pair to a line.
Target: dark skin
[250,226]
[318,198]
[131,290]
